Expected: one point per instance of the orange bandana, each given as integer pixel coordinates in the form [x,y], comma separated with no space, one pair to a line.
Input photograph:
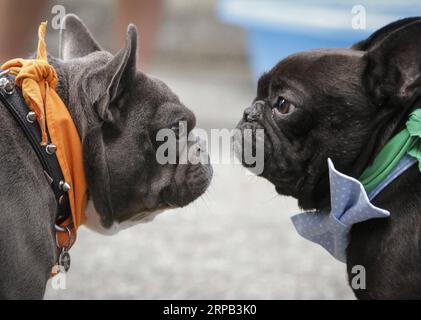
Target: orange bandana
[38,80]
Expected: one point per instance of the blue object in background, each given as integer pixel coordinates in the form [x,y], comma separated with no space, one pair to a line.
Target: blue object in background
[277,28]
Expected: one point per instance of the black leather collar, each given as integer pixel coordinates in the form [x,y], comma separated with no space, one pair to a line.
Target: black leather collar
[11,97]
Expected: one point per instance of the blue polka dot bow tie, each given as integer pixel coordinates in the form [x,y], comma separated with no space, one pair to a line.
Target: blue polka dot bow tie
[350,204]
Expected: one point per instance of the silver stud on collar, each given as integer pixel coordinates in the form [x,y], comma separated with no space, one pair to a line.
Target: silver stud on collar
[31,117]
[3,82]
[8,85]
[63,185]
[50,148]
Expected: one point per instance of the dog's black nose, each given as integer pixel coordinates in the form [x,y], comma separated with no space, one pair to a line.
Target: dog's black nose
[252,113]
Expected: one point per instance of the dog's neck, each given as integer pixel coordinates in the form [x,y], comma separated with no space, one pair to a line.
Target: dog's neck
[390,125]
[72,76]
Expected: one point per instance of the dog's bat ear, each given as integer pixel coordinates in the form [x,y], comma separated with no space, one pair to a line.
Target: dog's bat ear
[393,71]
[377,37]
[75,39]
[108,82]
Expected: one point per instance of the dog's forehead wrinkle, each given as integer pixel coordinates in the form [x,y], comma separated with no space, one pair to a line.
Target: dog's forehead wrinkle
[171,113]
[292,89]
[295,79]
[163,89]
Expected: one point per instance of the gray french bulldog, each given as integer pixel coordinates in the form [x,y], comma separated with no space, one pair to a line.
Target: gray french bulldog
[345,104]
[117,111]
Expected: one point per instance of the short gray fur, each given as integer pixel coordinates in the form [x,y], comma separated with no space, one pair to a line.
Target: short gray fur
[117,111]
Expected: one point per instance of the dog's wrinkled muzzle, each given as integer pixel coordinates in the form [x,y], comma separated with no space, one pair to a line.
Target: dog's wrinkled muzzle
[253,112]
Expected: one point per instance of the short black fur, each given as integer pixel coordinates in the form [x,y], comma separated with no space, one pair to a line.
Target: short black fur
[348,104]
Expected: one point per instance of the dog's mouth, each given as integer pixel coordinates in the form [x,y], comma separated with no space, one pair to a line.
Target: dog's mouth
[243,141]
[169,186]
[277,168]
[178,196]
[182,192]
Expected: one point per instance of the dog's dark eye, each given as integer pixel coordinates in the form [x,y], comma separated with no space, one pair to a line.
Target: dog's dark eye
[283,106]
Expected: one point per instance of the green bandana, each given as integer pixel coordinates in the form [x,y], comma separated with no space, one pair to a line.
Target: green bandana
[405,142]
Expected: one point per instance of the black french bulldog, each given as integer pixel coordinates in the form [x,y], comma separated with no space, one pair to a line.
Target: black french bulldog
[345,104]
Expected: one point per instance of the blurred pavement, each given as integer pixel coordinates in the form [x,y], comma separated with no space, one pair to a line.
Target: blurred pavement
[237,241]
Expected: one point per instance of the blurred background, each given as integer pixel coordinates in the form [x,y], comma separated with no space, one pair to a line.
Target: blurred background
[237,241]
